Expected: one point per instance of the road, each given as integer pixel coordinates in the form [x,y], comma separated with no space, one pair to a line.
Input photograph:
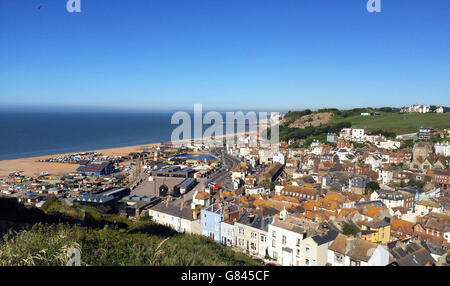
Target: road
[223,175]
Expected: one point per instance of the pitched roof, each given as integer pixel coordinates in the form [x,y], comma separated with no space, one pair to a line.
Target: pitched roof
[325,238]
[412,254]
[288,224]
[174,210]
[255,221]
[429,204]
[376,223]
[95,166]
[202,196]
[399,224]
[353,247]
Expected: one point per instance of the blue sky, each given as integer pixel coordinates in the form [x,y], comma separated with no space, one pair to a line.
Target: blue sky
[225,54]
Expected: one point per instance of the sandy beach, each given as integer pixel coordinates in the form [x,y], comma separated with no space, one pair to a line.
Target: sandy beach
[32,167]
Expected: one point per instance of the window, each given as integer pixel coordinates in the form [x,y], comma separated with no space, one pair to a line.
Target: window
[298,253]
[338,258]
[298,242]
[355,263]
[275,255]
[273,243]
[263,238]
[306,261]
[274,234]
[283,239]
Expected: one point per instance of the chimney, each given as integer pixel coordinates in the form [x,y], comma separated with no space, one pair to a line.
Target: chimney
[251,218]
[349,243]
[194,214]
[226,213]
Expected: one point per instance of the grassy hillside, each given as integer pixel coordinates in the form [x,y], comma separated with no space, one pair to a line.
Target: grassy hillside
[389,122]
[48,245]
[104,240]
[397,123]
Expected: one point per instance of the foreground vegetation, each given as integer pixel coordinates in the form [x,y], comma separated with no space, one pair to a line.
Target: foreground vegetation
[106,240]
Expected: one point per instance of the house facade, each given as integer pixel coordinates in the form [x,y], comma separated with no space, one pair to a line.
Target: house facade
[350,251]
[285,240]
[213,216]
[315,249]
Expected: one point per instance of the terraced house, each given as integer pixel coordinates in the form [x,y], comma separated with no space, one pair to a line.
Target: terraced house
[286,235]
[301,192]
[179,218]
[251,232]
[214,215]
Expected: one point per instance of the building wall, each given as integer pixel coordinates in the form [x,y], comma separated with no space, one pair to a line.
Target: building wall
[380,257]
[345,261]
[176,223]
[276,246]
[309,253]
[227,233]
[249,238]
[211,224]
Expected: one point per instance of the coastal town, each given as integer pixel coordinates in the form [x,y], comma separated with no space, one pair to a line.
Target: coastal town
[353,199]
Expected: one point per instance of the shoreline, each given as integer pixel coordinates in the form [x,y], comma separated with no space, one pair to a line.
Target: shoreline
[31,167]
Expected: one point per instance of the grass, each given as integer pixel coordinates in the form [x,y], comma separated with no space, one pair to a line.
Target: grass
[102,240]
[388,123]
[397,123]
[47,245]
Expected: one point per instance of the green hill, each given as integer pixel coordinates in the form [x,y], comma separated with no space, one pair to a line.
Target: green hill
[396,122]
[102,240]
[389,122]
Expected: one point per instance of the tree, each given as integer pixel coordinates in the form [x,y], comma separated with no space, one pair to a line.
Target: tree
[371,187]
[349,229]
[416,183]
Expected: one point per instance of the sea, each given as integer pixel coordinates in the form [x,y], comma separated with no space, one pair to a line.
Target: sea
[31,134]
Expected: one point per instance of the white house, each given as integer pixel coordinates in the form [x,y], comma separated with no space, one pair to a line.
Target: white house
[425,207]
[393,199]
[244,151]
[315,249]
[278,157]
[447,234]
[257,191]
[227,233]
[350,251]
[203,199]
[178,218]
[358,134]
[442,149]
[385,175]
[374,161]
[389,144]
[285,240]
